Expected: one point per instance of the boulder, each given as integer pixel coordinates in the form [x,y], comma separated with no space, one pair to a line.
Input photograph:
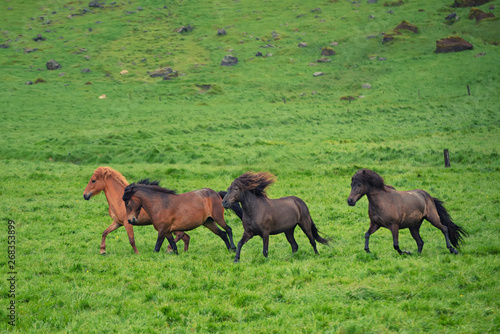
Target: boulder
[366,86]
[317,74]
[221,32]
[96,4]
[184,29]
[229,61]
[327,51]
[163,72]
[452,44]
[302,45]
[405,25]
[53,65]
[388,38]
[469,3]
[478,14]
[4,46]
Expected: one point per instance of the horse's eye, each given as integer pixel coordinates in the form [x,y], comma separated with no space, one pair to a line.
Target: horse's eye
[94,181]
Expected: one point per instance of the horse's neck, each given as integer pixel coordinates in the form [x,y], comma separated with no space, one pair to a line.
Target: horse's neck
[153,202]
[114,192]
[376,197]
[250,203]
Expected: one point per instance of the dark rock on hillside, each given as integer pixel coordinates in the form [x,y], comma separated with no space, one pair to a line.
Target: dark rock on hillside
[229,61]
[469,3]
[405,25]
[29,50]
[323,60]
[86,70]
[258,54]
[96,4]
[28,82]
[452,44]
[163,72]
[221,32]
[388,38]
[53,65]
[184,29]
[4,46]
[302,45]
[452,18]
[372,1]
[327,51]
[39,38]
[393,3]
[478,14]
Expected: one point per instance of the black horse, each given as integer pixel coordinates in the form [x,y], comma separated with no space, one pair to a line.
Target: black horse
[263,216]
[397,210]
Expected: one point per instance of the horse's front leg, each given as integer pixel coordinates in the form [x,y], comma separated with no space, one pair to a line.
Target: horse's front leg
[114,225]
[395,239]
[180,236]
[373,228]
[130,233]
[172,243]
[246,236]
[265,243]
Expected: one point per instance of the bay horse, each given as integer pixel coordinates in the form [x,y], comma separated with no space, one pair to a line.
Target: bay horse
[171,212]
[264,216]
[397,210]
[113,184]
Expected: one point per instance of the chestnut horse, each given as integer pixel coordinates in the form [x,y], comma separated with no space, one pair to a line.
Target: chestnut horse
[397,210]
[113,184]
[264,216]
[171,212]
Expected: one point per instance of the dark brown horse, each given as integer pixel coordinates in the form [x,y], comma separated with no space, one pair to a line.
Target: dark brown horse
[264,216]
[397,210]
[113,184]
[171,212]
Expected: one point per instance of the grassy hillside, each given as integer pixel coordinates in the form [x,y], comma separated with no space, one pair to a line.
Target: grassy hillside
[211,123]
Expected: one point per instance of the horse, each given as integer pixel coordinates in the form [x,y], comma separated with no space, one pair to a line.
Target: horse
[264,216]
[113,184]
[397,210]
[171,212]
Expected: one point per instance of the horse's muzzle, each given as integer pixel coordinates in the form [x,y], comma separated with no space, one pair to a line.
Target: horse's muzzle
[351,202]
[132,221]
[226,204]
[87,196]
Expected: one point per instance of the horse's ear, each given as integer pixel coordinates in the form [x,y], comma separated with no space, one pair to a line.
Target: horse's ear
[364,171]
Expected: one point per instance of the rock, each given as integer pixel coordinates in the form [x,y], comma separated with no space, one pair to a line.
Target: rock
[258,54]
[452,44]
[371,17]
[85,70]
[221,32]
[387,38]
[469,3]
[267,46]
[478,14]
[323,60]
[39,38]
[95,4]
[53,65]
[302,45]
[123,72]
[405,25]
[366,86]
[29,50]
[28,82]
[269,54]
[163,72]
[372,1]
[327,51]
[316,10]
[102,97]
[393,3]
[4,46]
[317,74]
[452,16]
[184,29]
[229,61]
[480,54]
[382,59]
[347,98]
[37,81]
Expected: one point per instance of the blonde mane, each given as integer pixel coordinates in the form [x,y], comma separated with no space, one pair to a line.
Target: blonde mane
[105,172]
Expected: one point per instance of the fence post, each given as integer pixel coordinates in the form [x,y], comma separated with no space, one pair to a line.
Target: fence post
[446,158]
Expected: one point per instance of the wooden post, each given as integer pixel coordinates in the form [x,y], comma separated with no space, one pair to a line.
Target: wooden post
[468,89]
[446,158]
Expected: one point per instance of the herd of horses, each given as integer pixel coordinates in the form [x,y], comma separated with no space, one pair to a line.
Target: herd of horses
[172,214]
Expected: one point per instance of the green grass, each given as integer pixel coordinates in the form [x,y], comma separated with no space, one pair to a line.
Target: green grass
[266,113]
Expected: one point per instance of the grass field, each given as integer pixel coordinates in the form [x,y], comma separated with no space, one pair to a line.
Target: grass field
[209,125]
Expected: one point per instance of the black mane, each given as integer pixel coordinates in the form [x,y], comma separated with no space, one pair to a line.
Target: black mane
[131,189]
[371,178]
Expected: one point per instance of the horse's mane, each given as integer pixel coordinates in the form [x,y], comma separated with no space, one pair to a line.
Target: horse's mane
[103,172]
[132,188]
[255,182]
[371,178]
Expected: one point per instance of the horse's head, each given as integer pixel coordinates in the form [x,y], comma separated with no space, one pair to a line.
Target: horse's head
[96,184]
[234,194]
[133,204]
[362,183]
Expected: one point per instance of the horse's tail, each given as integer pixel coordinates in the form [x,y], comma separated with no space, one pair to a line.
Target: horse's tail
[316,235]
[235,207]
[455,232]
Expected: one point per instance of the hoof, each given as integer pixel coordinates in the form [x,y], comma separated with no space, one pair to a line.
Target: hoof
[103,253]
[453,251]
[406,253]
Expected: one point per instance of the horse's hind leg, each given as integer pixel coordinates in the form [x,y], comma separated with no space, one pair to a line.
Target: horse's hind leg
[291,239]
[307,231]
[180,236]
[395,238]
[219,219]
[416,235]
[210,224]
[433,218]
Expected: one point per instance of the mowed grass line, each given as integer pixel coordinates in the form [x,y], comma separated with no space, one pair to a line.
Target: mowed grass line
[64,284]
